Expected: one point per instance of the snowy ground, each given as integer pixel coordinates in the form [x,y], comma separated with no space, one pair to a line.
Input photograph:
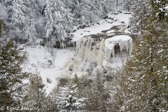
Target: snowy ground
[41,61]
[114,20]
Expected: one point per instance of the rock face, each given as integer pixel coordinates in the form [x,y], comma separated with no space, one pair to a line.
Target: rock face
[98,54]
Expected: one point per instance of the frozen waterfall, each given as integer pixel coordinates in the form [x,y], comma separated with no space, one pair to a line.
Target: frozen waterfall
[97,54]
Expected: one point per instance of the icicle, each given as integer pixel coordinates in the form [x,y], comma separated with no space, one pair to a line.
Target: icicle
[101,52]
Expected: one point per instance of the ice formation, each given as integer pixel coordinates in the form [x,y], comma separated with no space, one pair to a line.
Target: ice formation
[121,45]
[91,49]
[93,53]
[99,49]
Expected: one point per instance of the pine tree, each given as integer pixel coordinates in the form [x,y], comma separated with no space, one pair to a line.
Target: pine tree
[140,9]
[11,75]
[1,23]
[144,83]
[24,20]
[96,95]
[35,94]
[51,102]
[67,99]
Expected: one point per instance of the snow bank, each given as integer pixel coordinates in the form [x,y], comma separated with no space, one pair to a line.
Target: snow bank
[121,17]
[115,20]
[97,28]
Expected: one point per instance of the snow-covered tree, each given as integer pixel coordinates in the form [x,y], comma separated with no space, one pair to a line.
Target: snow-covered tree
[25,21]
[58,23]
[144,81]
[140,9]
[11,75]
[97,96]
[35,94]
[51,100]
[51,20]
[67,99]
[17,17]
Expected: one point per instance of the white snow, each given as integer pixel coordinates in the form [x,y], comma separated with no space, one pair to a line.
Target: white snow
[39,61]
[166,7]
[121,17]
[3,12]
[111,32]
[103,25]
[91,30]
[127,31]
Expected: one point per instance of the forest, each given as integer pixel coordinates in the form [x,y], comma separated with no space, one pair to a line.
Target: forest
[83,56]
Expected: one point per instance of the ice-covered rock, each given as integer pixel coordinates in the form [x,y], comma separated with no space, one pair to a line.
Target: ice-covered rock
[120,45]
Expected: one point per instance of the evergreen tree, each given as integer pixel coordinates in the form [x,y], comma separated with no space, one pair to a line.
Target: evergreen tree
[35,94]
[51,102]
[144,83]
[140,9]
[67,99]
[58,17]
[96,95]
[1,24]
[11,75]
[24,20]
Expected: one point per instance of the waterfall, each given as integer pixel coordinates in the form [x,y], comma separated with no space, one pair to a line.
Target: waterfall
[97,54]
